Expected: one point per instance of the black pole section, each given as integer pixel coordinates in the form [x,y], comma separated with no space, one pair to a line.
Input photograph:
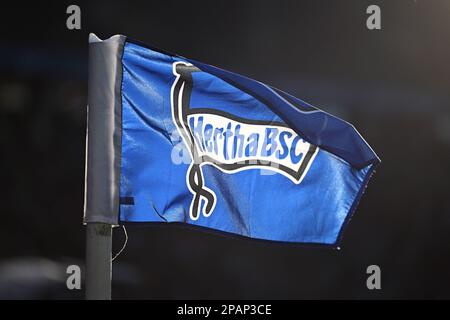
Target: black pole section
[98,261]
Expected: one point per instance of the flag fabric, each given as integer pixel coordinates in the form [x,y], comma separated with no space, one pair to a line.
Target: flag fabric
[171,139]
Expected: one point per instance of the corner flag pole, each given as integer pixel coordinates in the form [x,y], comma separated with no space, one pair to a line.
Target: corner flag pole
[98,261]
[103,154]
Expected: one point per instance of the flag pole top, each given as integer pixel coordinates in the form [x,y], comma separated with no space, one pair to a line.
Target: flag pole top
[94,39]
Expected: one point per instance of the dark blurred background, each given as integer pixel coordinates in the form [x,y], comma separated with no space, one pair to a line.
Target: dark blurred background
[393,84]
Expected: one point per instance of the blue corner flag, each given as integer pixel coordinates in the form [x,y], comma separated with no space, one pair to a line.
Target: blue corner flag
[171,139]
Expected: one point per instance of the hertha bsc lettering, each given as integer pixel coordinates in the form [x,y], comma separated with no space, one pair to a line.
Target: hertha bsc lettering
[231,143]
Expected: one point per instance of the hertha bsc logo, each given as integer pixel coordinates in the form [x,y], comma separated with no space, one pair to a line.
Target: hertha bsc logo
[231,143]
